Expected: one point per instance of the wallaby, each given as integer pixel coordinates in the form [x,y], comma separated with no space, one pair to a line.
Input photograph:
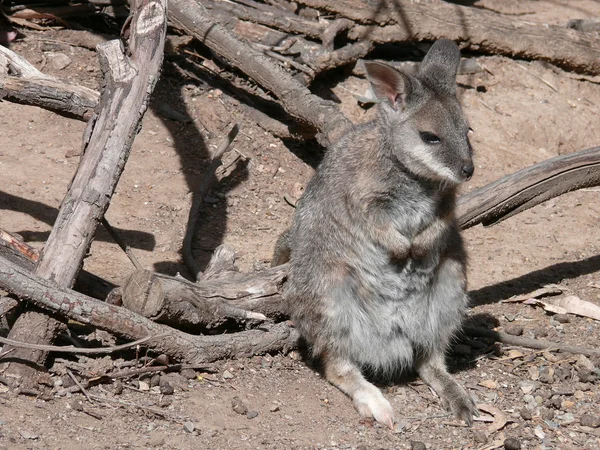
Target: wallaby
[377,279]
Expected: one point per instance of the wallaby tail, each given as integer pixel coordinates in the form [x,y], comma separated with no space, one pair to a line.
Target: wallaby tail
[282,252]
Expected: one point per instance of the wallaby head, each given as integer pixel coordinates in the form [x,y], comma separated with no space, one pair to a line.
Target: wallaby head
[423,123]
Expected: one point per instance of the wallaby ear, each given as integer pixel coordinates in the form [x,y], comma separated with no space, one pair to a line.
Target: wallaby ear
[440,66]
[388,84]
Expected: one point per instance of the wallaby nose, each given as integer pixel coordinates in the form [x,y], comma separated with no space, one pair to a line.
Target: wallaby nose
[467,170]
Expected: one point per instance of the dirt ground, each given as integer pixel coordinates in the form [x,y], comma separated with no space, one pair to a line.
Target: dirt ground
[521,113]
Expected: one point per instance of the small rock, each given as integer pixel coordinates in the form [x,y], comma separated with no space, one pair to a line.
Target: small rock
[166,388]
[567,404]
[76,405]
[189,374]
[589,420]
[490,384]
[155,380]
[26,434]
[156,441]
[586,375]
[514,330]
[562,318]
[579,395]
[117,387]
[238,406]
[528,386]
[512,444]
[479,437]
[546,375]
[547,413]
[584,362]
[274,408]
[252,414]
[227,375]
[189,427]
[417,445]
[566,419]
[58,61]
[144,386]
[526,414]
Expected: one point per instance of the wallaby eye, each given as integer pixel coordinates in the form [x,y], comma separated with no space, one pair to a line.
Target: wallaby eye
[429,138]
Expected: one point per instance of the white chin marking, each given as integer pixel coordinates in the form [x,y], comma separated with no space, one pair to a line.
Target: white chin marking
[424,156]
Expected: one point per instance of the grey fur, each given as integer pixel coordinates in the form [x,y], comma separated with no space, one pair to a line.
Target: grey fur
[377,269]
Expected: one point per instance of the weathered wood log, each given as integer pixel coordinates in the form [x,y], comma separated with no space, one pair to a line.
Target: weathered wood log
[21,82]
[129,82]
[26,256]
[476,29]
[323,115]
[181,346]
[528,187]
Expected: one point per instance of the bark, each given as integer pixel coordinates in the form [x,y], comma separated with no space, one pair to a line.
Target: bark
[531,186]
[26,256]
[183,347]
[323,115]
[129,82]
[22,83]
[477,30]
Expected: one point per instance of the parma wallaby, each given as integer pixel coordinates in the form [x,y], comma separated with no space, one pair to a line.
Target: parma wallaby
[377,264]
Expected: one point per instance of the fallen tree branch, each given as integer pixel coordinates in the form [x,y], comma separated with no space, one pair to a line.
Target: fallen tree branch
[78,350]
[21,82]
[323,115]
[476,29]
[183,347]
[528,187]
[129,82]
[520,341]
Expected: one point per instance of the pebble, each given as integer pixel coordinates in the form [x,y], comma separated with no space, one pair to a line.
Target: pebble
[189,427]
[252,414]
[479,437]
[189,374]
[58,61]
[514,330]
[238,406]
[547,413]
[526,414]
[274,408]
[586,375]
[227,375]
[417,445]
[166,388]
[589,420]
[546,375]
[26,434]
[562,318]
[512,444]
[566,419]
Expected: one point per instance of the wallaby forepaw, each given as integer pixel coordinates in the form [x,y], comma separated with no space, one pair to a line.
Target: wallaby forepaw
[464,408]
[375,406]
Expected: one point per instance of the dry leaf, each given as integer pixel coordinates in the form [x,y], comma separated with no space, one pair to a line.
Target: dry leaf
[574,305]
[499,417]
[549,307]
[550,289]
[490,384]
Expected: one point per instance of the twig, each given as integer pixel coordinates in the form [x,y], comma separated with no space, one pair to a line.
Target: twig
[72,349]
[198,200]
[81,388]
[156,411]
[527,342]
[121,243]
[547,83]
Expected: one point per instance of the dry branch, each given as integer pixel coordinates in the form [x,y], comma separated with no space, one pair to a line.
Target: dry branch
[22,83]
[476,29]
[528,187]
[127,324]
[323,115]
[129,82]
[26,256]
